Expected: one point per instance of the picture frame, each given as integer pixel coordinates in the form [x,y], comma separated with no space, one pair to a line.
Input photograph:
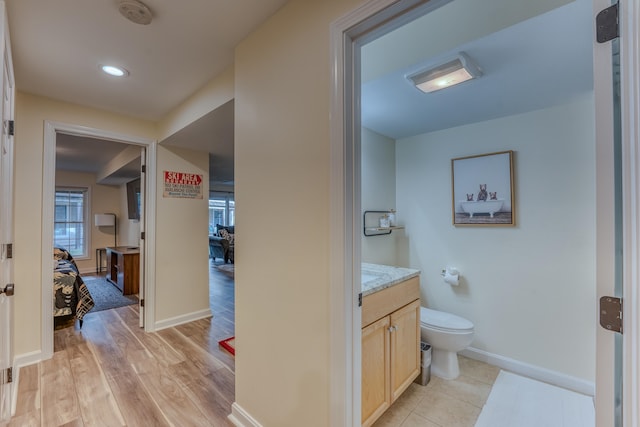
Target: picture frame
[482,190]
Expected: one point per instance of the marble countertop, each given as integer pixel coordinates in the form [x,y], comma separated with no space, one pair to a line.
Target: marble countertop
[376,277]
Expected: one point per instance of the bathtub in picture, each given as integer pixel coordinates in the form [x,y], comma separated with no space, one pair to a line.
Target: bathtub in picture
[482,207]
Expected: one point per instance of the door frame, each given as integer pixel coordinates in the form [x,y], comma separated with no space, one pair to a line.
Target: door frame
[9,391]
[51,129]
[362,24]
[630,100]
[373,18]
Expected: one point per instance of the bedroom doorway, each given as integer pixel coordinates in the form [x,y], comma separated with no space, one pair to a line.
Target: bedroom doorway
[119,231]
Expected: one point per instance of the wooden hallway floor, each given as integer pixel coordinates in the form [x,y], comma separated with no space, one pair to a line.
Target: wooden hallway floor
[112,373]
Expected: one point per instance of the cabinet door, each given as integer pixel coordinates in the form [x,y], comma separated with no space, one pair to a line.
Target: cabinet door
[376,396]
[405,347]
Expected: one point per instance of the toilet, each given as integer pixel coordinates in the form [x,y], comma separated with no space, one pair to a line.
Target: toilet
[447,334]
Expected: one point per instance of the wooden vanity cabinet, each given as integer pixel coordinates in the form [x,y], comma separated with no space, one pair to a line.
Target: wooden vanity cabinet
[390,346]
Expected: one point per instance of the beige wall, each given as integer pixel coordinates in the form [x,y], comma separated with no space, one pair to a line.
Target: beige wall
[182,242]
[282,198]
[31,113]
[128,229]
[102,198]
[215,93]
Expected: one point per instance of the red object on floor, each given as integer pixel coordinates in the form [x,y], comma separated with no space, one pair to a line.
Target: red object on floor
[228,344]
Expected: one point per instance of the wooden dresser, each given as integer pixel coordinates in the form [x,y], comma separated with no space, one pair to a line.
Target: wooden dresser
[123,268]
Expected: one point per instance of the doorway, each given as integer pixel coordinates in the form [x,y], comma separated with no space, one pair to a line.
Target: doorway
[147,247]
[360,28]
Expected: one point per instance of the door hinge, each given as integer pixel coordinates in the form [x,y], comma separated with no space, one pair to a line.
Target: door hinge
[7,250]
[607,27]
[142,236]
[611,313]
[11,127]
[143,169]
[142,302]
[6,376]
[8,290]
[360,299]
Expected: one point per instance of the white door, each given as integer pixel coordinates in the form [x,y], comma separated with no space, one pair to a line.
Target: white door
[141,245]
[6,225]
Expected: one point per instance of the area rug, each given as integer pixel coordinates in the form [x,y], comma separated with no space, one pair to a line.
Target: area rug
[105,295]
[229,344]
[518,401]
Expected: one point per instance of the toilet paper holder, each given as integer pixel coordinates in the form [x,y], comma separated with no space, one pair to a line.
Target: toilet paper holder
[450,271]
[451,276]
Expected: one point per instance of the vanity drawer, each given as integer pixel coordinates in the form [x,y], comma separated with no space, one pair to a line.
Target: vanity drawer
[388,300]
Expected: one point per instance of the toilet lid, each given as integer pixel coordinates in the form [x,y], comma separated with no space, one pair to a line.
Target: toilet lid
[442,320]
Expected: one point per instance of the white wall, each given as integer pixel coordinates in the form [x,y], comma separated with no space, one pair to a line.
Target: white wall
[529,289]
[378,193]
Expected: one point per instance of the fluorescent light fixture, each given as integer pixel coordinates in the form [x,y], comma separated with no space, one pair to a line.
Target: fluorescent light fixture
[114,71]
[451,73]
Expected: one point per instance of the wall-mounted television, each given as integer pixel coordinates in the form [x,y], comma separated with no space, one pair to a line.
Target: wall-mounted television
[133,199]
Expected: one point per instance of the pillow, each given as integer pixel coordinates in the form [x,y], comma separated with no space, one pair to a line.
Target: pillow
[228,236]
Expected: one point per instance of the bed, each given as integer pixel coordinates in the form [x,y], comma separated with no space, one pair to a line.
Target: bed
[70,295]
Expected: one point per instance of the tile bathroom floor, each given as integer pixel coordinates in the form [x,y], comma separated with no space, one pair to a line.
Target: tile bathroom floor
[444,403]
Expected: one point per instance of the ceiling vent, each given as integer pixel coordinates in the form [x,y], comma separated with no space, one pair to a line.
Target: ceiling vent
[135,12]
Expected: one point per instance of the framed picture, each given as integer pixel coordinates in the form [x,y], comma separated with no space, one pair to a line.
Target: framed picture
[482,189]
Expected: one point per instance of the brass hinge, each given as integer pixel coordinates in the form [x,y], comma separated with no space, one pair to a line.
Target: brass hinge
[7,250]
[607,27]
[142,302]
[6,376]
[611,313]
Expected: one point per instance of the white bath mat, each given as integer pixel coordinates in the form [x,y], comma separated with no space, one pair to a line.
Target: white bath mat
[516,401]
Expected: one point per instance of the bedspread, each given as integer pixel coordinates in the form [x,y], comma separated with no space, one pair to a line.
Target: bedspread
[70,294]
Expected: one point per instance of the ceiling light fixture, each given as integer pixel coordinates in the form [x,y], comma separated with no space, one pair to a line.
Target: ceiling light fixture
[458,70]
[114,71]
[135,11]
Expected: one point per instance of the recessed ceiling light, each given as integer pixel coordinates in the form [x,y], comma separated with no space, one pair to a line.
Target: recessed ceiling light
[451,73]
[114,71]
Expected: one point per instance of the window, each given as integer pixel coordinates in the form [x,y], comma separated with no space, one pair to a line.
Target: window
[70,222]
[221,211]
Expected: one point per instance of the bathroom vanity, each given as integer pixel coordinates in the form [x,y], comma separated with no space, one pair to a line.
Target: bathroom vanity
[390,336]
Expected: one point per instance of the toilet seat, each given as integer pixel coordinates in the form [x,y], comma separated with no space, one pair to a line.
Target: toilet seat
[446,322]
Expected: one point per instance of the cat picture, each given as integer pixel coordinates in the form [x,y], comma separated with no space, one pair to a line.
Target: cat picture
[469,197]
[493,195]
[482,194]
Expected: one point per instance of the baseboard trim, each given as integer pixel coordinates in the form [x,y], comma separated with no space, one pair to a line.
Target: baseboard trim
[241,418]
[185,318]
[19,361]
[27,359]
[88,271]
[535,372]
